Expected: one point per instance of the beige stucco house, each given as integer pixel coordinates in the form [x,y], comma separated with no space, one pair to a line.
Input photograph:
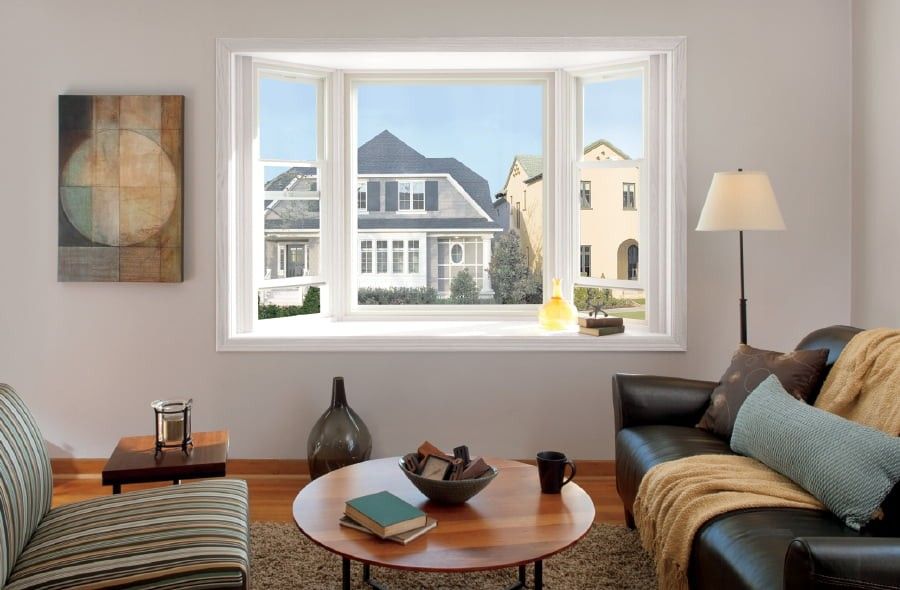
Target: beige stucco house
[609,201]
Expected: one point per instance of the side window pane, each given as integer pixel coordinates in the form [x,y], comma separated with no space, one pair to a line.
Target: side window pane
[291,223]
[613,119]
[288,127]
[607,229]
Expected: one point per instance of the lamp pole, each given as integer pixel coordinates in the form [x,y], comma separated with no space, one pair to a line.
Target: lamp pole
[743,302]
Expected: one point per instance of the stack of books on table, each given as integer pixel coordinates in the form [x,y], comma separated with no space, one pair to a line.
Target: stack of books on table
[386,516]
[601,326]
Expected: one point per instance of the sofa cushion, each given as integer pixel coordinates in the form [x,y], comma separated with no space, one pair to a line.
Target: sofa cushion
[799,371]
[745,549]
[194,535]
[849,467]
[642,447]
[26,483]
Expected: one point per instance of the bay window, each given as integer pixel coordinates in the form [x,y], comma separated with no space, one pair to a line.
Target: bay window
[387,182]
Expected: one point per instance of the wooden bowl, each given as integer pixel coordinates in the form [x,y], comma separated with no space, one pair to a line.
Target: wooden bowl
[450,492]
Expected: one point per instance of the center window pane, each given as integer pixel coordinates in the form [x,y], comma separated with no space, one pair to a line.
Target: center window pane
[438,194]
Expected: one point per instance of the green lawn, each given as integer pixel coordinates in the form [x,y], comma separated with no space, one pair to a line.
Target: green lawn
[629,315]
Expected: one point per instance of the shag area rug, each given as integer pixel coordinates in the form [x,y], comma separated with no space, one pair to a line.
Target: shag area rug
[608,557]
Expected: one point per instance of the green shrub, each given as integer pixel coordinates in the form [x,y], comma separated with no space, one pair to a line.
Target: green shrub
[510,278]
[586,297]
[311,304]
[463,289]
[312,301]
[397,296]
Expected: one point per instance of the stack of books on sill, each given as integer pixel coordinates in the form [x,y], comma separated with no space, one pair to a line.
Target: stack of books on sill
[386,516]
[597,326]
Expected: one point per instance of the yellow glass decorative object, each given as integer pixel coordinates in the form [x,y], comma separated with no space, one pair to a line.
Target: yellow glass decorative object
[558,314]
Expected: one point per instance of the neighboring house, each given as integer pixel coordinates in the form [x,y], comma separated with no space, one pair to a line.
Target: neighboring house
[421,220]
[609,219]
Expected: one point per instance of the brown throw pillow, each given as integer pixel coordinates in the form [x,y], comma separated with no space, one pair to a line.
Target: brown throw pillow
[798,371]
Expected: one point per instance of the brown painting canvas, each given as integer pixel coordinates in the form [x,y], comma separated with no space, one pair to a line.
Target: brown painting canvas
[121,188]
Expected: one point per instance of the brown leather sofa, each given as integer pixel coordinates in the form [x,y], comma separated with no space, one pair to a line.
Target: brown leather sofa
[761,549]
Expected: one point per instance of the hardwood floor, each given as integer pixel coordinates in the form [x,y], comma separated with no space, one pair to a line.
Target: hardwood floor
[271,495]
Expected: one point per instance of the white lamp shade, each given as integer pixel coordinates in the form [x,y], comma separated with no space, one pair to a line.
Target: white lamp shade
[740,201]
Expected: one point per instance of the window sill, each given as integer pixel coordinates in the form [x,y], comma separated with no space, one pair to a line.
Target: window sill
[325,335]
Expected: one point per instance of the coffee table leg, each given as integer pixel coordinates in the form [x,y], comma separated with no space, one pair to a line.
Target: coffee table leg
[538,575]
[367,578]
[345,574]
[522,575]
[117,488]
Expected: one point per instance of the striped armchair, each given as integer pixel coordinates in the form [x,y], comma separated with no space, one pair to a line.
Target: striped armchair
[180,537]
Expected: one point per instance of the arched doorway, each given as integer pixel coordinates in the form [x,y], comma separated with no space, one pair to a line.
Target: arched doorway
[627,259]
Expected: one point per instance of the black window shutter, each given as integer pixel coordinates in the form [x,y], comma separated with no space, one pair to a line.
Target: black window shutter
[431,195]
[390,195]
[373,196]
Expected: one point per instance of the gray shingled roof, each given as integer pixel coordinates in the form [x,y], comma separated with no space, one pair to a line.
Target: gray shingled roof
[534,165]
[386,154]
[283,180]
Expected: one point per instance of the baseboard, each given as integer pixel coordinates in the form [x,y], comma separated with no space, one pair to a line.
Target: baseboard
[77,468]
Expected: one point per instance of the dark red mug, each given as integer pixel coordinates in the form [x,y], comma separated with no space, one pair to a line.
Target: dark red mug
[552,471]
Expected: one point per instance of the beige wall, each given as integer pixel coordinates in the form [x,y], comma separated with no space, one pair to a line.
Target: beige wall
[876,175]
[768,87]
[526,213]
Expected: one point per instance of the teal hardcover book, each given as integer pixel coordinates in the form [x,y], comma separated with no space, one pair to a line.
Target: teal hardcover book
[385,514]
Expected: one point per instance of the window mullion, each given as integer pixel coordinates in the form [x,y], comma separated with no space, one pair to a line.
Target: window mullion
[561,242]
[338,215]
[246,144]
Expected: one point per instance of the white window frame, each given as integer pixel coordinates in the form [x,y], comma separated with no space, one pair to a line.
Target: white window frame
[402,253]
[362,188]
[663,249]
[418,251]
[411,190]
[370,250]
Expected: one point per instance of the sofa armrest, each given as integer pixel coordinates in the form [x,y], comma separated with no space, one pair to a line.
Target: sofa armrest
[640,400]
[842,562]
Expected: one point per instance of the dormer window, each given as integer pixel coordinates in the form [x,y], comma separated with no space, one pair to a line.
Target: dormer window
[412,195]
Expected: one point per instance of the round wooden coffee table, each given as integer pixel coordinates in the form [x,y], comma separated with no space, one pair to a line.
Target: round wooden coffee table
[509,524]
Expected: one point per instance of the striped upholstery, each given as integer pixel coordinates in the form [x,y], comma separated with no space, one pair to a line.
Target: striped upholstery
[180,537]
[26,483]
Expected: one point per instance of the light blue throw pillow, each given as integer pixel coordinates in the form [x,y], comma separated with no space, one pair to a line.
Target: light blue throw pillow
[849,467]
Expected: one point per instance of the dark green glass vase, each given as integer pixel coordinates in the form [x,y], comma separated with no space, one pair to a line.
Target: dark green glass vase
[339,438]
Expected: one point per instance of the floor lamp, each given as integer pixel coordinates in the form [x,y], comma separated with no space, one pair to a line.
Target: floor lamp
[740,201]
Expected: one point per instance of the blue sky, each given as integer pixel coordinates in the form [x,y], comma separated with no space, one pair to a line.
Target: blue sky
[482,125]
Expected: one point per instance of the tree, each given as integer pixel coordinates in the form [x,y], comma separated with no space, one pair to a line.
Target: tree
[510,278]
[311,301]
[463,288]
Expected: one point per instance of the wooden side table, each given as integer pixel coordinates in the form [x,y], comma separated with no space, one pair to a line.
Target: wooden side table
[135,460]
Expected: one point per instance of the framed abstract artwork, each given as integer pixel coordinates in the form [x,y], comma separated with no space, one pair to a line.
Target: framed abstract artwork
[121,169]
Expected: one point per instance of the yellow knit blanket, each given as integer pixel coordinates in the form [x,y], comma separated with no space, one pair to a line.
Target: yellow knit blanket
[678,497]
[864,384]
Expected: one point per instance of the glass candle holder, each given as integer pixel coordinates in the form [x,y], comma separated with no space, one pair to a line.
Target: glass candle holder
[173,424]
